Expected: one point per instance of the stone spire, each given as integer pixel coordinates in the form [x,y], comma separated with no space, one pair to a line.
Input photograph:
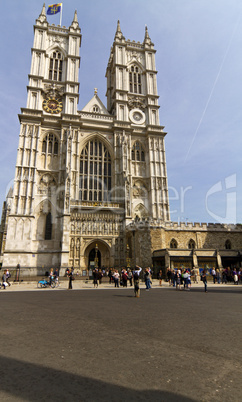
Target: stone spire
[147,39]
[42,16]
[75,23]
[119,34]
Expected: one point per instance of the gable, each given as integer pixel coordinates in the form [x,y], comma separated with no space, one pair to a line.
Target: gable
[95,105]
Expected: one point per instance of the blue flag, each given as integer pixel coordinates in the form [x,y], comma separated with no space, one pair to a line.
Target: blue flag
[54,9]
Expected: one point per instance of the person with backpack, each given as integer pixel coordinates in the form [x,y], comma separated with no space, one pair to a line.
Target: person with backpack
[136,275]
[124,278]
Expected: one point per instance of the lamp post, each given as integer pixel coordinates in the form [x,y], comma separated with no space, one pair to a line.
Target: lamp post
[96,257]
[127,257]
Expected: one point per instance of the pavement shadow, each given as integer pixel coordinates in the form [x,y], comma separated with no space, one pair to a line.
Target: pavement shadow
[32,382]
[218,290]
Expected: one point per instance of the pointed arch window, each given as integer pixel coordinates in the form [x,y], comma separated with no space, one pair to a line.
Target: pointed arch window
[191,244]
[95,178]
[50,145]
[56,66]
[48,227]
[135,84]
[138,153]
[228,245]
[173,243]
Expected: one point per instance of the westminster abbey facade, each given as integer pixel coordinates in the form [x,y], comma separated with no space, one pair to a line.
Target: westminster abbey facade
[90,185]
[83,176]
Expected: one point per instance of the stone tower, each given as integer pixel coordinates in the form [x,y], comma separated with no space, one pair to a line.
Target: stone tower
[132,99]
[40,202]
[82,177]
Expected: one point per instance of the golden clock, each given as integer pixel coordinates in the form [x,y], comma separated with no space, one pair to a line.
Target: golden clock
[52,105]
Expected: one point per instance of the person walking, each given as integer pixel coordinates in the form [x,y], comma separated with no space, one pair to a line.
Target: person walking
[160,277]
[136,275]
[71,277]
[8,276]
[204,279]
[4,279]
[95,277]
[213,273]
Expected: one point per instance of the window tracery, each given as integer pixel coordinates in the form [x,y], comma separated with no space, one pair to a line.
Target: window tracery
[95,172]
[173,243]
[56,66]
[48,227]
[50,145]
[135,84]
[191,244]
[138,153]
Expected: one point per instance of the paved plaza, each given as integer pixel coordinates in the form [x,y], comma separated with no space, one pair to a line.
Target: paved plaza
[104,344]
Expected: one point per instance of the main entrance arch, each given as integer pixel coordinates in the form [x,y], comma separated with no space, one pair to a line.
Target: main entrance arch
[95,258]
[101,250]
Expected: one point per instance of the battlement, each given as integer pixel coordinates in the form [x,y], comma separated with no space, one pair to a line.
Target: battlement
[186,226]
[202,226]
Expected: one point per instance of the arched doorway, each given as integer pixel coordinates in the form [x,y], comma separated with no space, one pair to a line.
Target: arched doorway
[92,255]
[103,254]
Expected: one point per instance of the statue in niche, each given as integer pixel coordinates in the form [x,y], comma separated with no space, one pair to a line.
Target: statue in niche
[140,212]
[139,190]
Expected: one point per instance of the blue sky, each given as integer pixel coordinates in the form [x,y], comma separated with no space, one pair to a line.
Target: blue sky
[199,63]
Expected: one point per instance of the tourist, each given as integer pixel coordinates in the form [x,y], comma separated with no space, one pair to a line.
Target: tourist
[51,276]
[177,279]
[4,279]
[147,276]
[130,277]
[218,276]
[8,276]
[95,277]
[169,276]
[136,275]
[100,276]
[71,277]
[124,278]
[116,277]
[236,278]
[160,277]
[195,273]
[204,279]
[213,273]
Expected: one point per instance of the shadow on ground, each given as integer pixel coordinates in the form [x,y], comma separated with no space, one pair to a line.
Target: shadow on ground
[32,382]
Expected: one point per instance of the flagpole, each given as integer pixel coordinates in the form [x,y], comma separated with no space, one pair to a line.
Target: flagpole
[61,13]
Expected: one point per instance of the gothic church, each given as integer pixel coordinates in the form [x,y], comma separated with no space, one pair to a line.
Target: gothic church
[83,176]
[91,185]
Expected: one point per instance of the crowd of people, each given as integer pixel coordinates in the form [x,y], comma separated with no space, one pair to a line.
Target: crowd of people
[183,277]
[124,277]
[178,278]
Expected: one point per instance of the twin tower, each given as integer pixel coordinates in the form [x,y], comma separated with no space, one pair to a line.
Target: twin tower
[83,177]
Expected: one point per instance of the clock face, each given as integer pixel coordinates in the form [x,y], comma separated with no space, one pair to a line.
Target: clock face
[137,116]
[52,105]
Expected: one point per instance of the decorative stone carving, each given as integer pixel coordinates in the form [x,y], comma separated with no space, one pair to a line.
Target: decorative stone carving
[136,102]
